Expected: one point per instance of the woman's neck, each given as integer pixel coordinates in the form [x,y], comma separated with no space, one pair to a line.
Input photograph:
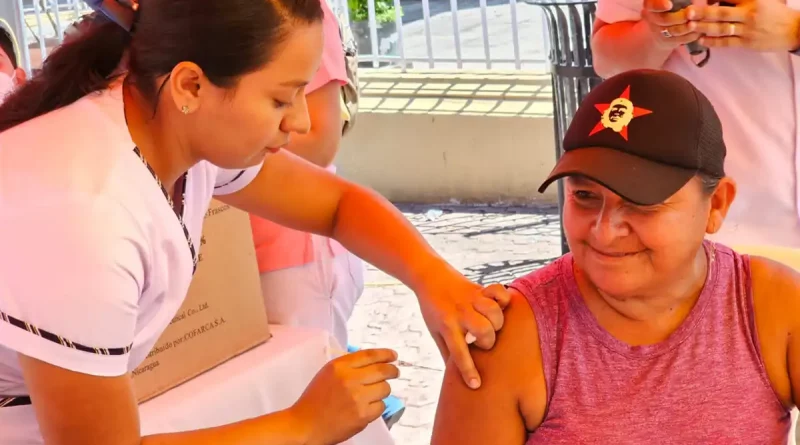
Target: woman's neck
[652,315]
[156,136]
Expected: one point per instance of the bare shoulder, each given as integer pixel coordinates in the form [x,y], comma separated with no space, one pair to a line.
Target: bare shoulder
[776,307]
[519,334]
[522,353]
[774,283]
[517,344]
[512,397]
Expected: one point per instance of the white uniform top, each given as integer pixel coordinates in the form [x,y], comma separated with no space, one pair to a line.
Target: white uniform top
[94,262]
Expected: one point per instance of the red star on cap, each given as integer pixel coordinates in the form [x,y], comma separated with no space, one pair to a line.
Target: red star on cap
[620,125]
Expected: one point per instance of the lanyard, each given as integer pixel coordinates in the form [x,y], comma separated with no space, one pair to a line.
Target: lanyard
[178,211]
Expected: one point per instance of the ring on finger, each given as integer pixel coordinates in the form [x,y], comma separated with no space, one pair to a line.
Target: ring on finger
[732,29]
[665,32]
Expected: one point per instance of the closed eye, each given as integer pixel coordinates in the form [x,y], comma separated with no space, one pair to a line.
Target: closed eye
[583,195]
[644,208]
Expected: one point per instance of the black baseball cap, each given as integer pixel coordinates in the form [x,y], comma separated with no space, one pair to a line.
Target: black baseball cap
[642,134]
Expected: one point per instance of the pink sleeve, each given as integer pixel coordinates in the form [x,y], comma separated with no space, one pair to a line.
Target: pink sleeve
[332,68]
[613,11]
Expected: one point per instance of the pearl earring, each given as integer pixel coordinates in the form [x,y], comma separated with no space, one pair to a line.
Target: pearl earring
[185,109]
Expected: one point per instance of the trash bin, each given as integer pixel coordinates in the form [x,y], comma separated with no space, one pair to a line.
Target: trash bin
[569,29]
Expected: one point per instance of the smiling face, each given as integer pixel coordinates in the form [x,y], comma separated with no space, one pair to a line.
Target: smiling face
[626,249]
[236,127]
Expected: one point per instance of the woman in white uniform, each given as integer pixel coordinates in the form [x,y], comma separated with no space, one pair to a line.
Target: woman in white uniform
[104,181]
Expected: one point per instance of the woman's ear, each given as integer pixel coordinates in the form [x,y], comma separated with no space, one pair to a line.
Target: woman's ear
[185,81]
[721,201]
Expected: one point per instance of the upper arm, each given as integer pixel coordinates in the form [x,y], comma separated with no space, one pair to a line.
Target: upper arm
[70,277]
[613,11]
[321,143]
[293,193]
[512,397]
[776,308]
[325,111]
[81,409]
[69,288]
[598,25]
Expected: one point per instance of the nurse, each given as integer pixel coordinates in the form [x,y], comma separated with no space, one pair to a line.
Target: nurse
[104,181]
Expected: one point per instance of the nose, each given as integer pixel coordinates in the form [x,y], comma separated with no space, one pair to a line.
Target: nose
[610,224]
[297,119]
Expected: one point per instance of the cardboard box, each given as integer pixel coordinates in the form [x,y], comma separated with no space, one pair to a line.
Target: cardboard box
[223,315]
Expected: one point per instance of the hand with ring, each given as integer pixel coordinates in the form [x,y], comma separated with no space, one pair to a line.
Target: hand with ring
[761,25]
[670,29]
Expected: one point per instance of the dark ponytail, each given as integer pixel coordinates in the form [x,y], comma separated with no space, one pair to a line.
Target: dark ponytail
[226,38]
[84,65]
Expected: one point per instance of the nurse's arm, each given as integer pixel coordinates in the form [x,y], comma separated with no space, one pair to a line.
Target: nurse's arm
[511,401]
[297,194]
[80,409]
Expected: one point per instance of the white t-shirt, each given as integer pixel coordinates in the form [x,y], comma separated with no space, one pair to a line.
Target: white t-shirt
[94,262]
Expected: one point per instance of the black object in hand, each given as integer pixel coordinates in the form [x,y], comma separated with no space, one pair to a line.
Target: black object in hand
[694,47]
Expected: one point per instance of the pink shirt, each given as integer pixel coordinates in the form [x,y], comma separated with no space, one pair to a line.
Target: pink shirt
[705,384]
[757,99]
[278,247]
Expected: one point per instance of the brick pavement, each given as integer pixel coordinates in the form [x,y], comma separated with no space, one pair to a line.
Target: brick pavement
[489,244]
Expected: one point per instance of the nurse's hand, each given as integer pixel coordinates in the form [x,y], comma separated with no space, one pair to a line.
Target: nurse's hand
[453,307]
[345,396]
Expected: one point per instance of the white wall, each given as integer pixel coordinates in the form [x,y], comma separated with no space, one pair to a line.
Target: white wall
[433,137]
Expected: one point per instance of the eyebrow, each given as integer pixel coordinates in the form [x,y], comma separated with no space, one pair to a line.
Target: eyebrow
[579,180]
[295,83]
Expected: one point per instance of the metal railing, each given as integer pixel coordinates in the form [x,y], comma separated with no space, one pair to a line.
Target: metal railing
[43,23]
[452,34]
[448,34]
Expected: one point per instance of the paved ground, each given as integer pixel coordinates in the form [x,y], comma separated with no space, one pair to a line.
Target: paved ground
[490,245]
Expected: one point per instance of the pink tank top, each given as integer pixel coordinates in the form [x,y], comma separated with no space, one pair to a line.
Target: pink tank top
[705,384]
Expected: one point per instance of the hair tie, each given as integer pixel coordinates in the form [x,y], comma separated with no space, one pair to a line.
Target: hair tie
[124,13]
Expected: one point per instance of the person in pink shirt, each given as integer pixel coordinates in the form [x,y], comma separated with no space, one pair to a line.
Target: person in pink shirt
[751,77]
[645,333]
[309,280]
[306,279]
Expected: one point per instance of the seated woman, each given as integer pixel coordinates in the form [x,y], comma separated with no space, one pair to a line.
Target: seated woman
[645,332]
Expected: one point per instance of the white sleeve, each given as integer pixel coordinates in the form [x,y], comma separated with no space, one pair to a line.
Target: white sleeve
[613,11]
[70,277]
[231,181]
